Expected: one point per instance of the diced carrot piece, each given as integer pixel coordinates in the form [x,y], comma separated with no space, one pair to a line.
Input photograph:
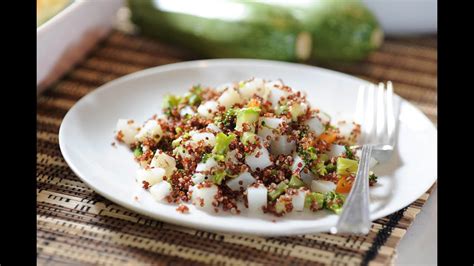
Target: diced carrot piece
[253,103]
[328,137]
[344,185]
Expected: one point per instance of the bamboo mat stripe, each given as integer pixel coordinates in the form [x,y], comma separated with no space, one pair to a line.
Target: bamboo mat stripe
[76,226]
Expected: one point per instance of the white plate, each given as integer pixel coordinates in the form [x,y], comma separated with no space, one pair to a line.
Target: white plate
[87,132]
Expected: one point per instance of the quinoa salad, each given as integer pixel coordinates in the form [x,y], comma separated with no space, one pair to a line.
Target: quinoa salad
[255,144]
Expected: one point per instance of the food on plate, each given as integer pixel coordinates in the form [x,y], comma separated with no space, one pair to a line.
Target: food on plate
[255,142]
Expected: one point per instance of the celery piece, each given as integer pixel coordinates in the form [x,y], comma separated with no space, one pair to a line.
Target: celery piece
[278,191]
[334,201]
[323,157]
[247,115]
[222,143]
[138,151]
[295,182]
[312,198]
[280,206]
[219,157]
[346,166]
[171,101]
[248,137]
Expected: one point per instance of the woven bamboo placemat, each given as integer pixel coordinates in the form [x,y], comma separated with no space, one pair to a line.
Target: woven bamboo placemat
[77,226]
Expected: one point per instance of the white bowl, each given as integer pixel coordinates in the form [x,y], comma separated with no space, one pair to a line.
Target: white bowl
[65,38]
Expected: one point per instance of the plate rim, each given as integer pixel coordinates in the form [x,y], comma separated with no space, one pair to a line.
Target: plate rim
[192,224]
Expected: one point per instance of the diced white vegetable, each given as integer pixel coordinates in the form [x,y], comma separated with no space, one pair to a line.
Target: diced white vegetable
[204,196]
[152,175]
[262,161]
[257,198]
[297,109]
[336,150]
[267,125]
[151,129]
[186,111]
[298,164]
[273,84]
[224,86]
[325,118]
[298,200]
[322,186]
[315,125]
[307,178]
[208,139]
[160,190]
[181,151]
[207,166]
[280,145]
[275,95]
[229,98]
[214,128]
[208,109]
[245,178]
[163,160]
[128,130]
[198,178]
[232,156]
[345,127]
[255,86]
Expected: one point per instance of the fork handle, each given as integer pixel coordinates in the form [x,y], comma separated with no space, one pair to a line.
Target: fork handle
[355,213]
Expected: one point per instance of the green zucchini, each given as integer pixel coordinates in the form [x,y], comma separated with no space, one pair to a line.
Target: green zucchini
[324,30]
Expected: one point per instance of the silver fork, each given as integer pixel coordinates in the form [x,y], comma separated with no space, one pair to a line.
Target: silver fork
[375,113]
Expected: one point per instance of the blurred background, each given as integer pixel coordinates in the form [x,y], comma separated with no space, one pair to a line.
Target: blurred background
[321,32]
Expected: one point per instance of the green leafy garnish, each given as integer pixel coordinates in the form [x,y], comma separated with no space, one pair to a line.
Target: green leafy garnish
[346,166]
[278,191]
[349,153]
[295,182]
[138,151]
[372,177]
